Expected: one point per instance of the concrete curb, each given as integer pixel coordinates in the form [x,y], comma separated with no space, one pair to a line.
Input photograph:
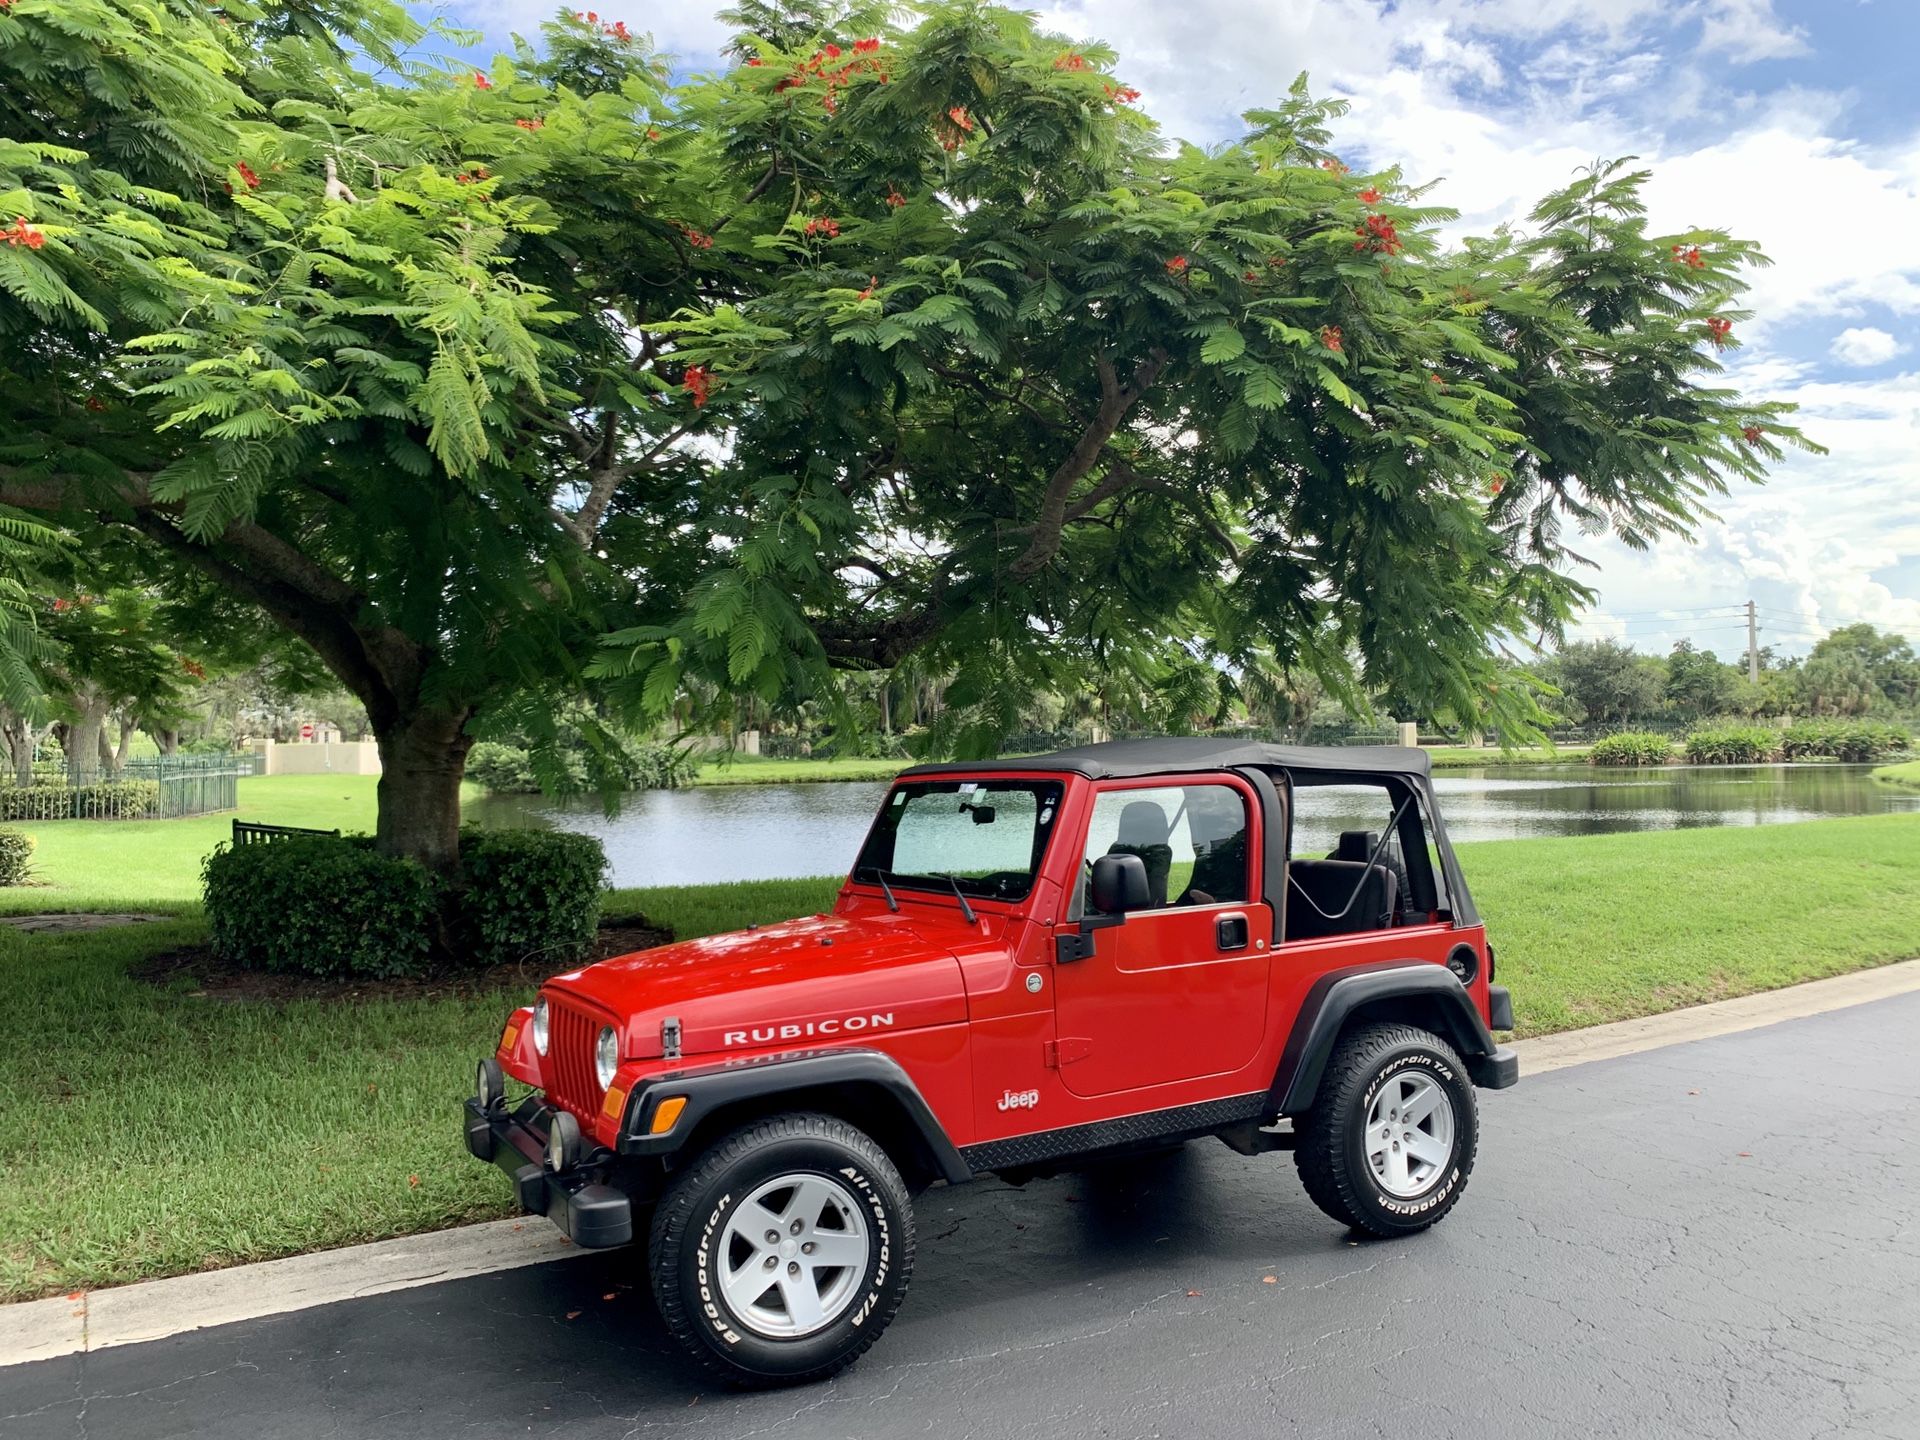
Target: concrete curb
[154,1309]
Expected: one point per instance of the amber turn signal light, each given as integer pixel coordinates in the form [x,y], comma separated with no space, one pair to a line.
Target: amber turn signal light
[667,1114]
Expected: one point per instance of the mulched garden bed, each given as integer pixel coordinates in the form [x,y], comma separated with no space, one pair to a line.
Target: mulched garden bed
[196,969]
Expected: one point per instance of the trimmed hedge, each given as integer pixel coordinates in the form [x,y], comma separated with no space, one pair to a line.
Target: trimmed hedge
[331,906]
[320,905]
[104,800]
[1631,747]
[1852,740]
[1733,745]
[16,857]
[529,893]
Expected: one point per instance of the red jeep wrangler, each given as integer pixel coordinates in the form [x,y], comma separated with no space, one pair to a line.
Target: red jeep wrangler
[1034,963]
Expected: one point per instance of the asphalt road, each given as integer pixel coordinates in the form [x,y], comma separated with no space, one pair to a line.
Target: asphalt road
[1718,1238]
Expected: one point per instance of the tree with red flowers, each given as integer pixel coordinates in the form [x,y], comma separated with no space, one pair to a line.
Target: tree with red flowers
[1060,405]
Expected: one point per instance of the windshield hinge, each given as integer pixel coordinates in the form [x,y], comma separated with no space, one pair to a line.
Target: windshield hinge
[670,1037]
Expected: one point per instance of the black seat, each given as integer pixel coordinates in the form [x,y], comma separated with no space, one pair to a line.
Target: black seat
[1338,897]
[1143,832]
[1219,854]
[1357,845]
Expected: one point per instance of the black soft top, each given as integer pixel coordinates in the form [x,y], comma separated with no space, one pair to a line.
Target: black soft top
[1123,759]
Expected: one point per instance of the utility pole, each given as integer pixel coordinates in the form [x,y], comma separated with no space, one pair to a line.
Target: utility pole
[1753,645]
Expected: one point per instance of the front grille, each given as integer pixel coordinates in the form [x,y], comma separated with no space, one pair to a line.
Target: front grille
[571,1082]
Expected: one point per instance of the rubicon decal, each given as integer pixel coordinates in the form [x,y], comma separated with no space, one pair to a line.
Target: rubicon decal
[841,1025]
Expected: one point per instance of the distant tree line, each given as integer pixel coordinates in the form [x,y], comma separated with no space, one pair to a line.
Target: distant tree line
[1857,670]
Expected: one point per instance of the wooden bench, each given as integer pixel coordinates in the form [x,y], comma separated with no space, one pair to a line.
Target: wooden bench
[246,832]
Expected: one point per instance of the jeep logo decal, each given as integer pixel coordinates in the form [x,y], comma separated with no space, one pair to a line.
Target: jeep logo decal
[1019,1100]
[844,1025]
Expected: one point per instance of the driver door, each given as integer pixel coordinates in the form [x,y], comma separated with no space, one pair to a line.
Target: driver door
[1177,991]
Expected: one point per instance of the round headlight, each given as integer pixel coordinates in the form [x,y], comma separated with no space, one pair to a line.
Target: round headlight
[606,1057]
[563,1142]
[541,1033]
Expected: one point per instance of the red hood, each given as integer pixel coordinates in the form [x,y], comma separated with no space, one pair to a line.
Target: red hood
[824,979]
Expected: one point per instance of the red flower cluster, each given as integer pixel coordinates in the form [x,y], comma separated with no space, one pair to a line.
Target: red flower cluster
[617,31]
[1330,337]
[1718,330]
[698,239]
[535,124]
[1333,167]
[61,605]
[1377,235]
[653,134]
[96,405]
[24,234]
[475,175]
[1690,257]
[1369,196]
[1499,484]
[6,5]
[816,68]
[482,82]
[1121,94]
[755,60]
[1750,434]
[1072,60]
[823,225]
[1252,277]
[698,383]
[1177,266]
[867,294]
[193,668]
[953,128]
[894,198]
[246,174]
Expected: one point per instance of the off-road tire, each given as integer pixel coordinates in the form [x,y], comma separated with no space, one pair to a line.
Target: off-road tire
[1331,1153]
[693,1213]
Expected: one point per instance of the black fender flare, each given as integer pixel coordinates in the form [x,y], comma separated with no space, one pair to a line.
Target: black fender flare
[712,1088]
[1431,990]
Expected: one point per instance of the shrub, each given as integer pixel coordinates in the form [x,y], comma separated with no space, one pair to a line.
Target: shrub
[320,905]
[1733,745]
[1631,747]
[16,857]
[1852,740]
[330,906]
[509,769]
[528,893]
[103,800]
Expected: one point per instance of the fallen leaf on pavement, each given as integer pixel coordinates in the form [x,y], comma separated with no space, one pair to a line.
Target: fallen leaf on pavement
[1193,1294]
[573,1314]
[1269,1279]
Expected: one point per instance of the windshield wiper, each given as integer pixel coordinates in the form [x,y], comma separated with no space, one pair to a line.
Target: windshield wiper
[885,889]
[965,909]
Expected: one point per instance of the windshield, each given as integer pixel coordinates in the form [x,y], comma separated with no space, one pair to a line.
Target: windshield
[984,836]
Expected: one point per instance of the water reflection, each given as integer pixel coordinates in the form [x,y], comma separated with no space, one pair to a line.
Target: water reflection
[750,832]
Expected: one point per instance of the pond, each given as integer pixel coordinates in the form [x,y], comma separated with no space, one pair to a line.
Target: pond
[754,832]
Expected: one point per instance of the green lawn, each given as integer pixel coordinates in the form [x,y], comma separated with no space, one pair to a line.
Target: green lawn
[1470,757]
[156,1132]
[754,770]
[1906,776]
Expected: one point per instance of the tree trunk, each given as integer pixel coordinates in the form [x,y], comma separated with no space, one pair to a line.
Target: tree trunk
[169,742]
[124,749]
[86,736]
[423,757]
[19,734]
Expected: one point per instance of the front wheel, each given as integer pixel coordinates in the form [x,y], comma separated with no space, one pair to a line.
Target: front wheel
[783,1252]
[1390,1141]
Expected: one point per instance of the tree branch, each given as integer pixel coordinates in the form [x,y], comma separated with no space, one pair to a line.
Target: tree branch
[1116,399]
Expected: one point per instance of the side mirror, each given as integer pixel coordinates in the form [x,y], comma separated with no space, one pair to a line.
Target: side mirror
[1119,884]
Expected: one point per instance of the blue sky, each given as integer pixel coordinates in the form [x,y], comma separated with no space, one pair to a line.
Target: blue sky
[1792,122]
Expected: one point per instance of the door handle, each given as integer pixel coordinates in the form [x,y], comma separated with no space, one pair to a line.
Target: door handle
[1230,932]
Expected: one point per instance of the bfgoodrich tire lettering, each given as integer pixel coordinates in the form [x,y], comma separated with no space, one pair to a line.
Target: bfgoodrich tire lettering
[690,1230]
[1332,1154]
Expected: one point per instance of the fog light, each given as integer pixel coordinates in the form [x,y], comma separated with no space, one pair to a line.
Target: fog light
[489,1086]
[541,1034]
[563,1143]
[606,1056]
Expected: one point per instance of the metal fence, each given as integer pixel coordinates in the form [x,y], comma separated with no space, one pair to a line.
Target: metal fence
[159,787]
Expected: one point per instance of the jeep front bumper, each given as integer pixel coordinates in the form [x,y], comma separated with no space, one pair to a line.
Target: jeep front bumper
[589,1212]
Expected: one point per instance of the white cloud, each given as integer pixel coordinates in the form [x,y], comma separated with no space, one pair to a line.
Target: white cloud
[1864,345]
[1748,30]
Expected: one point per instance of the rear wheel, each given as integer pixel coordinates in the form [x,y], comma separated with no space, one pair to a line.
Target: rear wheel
[783,1252]
[1391,1138]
